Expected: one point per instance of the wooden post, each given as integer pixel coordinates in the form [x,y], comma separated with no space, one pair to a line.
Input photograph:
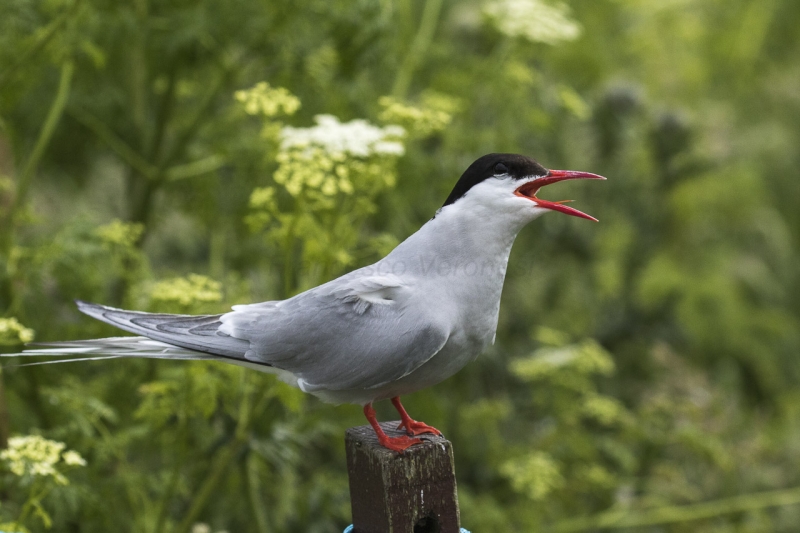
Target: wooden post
[410,492]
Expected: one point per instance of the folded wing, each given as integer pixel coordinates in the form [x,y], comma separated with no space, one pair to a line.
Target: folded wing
[355,332]
[200,333]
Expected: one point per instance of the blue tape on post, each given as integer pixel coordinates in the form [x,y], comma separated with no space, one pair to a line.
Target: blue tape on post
[349,529]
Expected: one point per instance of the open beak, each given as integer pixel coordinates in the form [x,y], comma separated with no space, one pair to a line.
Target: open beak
[530,189]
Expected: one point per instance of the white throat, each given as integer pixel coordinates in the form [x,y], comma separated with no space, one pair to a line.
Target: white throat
[469,239]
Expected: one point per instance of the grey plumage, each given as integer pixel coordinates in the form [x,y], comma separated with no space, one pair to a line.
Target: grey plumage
[199,333]
[407,322]
[335,337]
[109,348]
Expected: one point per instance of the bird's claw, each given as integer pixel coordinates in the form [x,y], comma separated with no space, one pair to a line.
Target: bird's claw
[413,427]
[398,444]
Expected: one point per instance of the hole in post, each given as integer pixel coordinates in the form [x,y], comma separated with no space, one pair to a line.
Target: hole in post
[428,524]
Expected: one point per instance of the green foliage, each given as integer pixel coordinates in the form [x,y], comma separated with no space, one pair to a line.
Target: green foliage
[267,101]
[36,466]
[188,293]
[119,234]
[433,116]
[645,369]
[12,332]
[584,424]
[326,184]
[535,474]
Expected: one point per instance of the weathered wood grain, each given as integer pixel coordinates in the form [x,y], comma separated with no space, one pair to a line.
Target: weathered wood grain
[412,492]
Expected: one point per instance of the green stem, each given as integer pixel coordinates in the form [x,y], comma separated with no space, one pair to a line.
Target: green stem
[223,460]
[211,482]
[4,425]
[180,453]
[163,113]
[45,134]
[8,295]
[254,493]
[216,252]
[749,42]
[201,116]
[139,86]
[288,269]
[120,147]
[31,503]
[420,44]
[44,38]
[195,168]
[682,513]
[119,454]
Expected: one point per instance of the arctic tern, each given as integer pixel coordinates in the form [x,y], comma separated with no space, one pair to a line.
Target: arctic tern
[407,322]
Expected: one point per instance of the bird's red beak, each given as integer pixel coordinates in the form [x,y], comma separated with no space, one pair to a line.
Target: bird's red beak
[530,189]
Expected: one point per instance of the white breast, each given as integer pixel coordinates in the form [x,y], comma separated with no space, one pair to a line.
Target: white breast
[457,265]
[454,267]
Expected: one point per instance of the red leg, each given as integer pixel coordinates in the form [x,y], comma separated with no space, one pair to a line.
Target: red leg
[412,426]
[397,444]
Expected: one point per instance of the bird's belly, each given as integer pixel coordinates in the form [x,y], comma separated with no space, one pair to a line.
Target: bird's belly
[461,348]
[470,334]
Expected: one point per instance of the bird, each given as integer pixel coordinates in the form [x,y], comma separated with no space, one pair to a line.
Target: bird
[402,324]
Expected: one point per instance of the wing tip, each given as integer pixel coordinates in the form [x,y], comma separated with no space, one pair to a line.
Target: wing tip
[96,311]
[87,307]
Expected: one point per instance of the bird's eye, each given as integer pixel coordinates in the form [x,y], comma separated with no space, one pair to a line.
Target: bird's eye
[500,168]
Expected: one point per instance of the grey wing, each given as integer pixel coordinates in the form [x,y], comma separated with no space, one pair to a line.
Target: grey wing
[200,333]
[347,334]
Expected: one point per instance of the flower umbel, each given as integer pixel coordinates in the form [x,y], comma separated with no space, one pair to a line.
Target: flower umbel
[12,332]
[355,138]
[533,20]
[191,290]
[263,99]
[119,233]
[433,114]
[327,179]
[73,458]
[35,456]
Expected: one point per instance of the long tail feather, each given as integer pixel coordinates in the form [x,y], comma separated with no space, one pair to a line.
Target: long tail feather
[198,333]
[124,347]
[110,348]
[181,337]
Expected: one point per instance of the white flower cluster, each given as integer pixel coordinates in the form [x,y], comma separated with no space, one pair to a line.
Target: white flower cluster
[36,456]
[533,20]
[356,138]
[322,167]
[12,332]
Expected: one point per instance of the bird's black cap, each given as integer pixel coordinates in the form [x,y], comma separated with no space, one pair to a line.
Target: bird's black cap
[491,165]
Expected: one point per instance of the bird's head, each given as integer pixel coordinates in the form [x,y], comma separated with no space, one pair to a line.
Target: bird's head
[508,184]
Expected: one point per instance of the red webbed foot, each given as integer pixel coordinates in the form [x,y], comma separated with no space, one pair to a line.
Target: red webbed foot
[411,426]
[417,428]
[397,444]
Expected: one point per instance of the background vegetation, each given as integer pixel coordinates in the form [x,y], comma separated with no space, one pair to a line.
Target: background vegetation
[646,368]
